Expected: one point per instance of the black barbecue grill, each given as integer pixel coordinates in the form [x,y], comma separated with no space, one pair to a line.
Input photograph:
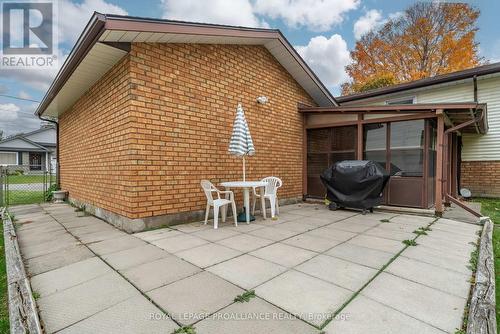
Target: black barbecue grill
[355,184]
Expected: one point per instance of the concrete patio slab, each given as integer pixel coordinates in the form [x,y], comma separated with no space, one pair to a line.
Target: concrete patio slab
[85,299]
[247,271]
[54,260]
[31,250]
[68,276]
[311,242]
[157,234]
[136,315]
[364,315]
[431,276]
[418,301]
[385,245]
[314,286]
[343,273]
[438,258]
[179,243]
[296,226]
[115,245]
[215,234]
[312,299]
[282,254]
[192,227]
[267,319]
[390,234]
[361,255]
[100,236]
[331,232]
[245,242]
[154,274]
[354,225]
[273,233]
[192,298]
[134,256]
[207,255]
[452,247]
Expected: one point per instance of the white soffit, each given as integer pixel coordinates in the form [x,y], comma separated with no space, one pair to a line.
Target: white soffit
[274,45]
[100,59]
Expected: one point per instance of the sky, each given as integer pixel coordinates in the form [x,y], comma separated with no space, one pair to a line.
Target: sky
[322,31]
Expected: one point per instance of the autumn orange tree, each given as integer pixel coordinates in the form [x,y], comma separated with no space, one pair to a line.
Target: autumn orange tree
[428,39]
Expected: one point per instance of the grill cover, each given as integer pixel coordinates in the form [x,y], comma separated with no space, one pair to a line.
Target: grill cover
[355,183]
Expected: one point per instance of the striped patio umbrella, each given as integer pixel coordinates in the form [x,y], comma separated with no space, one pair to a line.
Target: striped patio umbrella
[241,143]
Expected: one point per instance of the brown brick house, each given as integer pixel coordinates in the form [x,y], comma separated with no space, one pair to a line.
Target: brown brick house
[145,111]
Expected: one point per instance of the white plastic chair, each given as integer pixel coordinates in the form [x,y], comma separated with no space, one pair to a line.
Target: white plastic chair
[270,193]
[209,189]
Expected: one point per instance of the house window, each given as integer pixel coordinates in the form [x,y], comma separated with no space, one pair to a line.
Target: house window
[8,158]
[403,100]
[407,148]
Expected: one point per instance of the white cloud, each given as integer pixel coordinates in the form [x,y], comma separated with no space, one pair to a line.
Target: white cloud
[8,112]
[24,95]
[233,12]
[371,20]
[73,17]
[327,57]
[317,15]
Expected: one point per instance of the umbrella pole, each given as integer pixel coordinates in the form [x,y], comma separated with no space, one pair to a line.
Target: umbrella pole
[244,171]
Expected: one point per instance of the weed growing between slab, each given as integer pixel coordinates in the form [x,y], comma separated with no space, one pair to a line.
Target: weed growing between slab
[385,221]
[427,228]
[185,330]
[410,242]
[36,295]
[420,232]
[474,257]
[245,297]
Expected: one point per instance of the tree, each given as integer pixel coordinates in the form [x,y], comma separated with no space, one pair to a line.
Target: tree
[428,39]
[1,135]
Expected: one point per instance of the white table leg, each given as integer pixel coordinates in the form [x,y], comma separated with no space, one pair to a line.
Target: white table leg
[263,201]
[246,203]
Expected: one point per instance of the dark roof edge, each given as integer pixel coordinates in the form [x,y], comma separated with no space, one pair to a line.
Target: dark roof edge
[454,76]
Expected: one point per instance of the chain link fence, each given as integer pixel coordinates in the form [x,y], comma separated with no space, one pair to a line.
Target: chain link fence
[29,185]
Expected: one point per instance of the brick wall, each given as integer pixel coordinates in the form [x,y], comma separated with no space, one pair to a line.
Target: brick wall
[481,177]
[139,142]
[94,142]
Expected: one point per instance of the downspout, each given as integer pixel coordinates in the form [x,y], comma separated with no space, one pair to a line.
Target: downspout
[474,80]
[57,148]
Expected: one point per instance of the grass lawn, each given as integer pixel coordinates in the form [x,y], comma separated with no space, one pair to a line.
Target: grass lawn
[17,197]
[17,179]
[491,207]
[4,297]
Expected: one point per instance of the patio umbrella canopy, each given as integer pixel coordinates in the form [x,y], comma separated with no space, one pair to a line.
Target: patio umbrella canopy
[241,143]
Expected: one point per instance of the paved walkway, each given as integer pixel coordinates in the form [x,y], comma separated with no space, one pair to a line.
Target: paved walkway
[312,270]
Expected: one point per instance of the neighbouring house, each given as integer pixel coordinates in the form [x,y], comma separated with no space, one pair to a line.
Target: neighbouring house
[30,152]
[145,109]
[479,156]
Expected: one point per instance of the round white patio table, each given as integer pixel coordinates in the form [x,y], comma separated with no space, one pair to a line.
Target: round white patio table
[246,186]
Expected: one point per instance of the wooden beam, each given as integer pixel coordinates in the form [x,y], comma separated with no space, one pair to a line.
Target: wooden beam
[374,120]
[359,151]
[407,108]
[438,198]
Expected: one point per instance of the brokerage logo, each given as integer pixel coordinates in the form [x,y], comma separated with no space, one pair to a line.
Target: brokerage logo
[28,39]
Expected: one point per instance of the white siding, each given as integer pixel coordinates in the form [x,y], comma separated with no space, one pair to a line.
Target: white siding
[475,147]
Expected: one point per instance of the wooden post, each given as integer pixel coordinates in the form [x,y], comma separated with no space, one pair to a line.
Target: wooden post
[438,198]
[359,150]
